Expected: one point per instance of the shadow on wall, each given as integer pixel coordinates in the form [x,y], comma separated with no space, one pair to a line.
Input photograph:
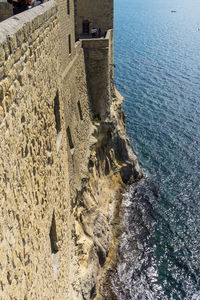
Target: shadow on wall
[89,32]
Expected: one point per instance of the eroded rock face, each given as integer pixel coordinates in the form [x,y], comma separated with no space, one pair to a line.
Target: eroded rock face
[111,165]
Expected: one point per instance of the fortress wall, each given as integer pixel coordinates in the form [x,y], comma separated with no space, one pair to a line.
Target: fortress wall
[66,29]
[35,239]
[110,38]
[77,117]
[46,139]
[97,66]
[99,14]
[58,171]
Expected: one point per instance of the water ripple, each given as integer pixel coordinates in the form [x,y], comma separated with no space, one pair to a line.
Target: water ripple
[158,72]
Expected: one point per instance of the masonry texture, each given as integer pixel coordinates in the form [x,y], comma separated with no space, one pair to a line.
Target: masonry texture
[64,156]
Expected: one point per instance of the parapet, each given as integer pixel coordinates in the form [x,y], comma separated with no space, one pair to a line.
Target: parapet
[98,61]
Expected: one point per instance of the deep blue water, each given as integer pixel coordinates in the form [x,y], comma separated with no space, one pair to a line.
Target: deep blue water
[157,57]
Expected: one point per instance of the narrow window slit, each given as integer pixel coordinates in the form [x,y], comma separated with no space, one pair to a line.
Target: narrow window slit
[53,236]
[68,7]
[80,110]
[57,113]
[69,43]
[86,27]
[71,145]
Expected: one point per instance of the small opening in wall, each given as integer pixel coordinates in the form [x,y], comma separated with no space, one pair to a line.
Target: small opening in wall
[80,110]
[53,236]
[71,145]
[57,113]
[86,27]
[93,292]
[68,7]
[69,43]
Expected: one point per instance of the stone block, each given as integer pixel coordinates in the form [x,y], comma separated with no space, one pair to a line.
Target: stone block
[2,54]
[12,43]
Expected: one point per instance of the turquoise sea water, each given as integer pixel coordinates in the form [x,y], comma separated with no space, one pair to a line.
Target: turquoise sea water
[157,57]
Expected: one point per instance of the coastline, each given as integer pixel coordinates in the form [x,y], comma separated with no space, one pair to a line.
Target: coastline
[105,288]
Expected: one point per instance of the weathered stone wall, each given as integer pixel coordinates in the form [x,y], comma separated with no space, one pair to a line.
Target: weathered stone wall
[99,13]
[35,241]
[6,10]
[111,65]
[96,58]
[66,21]
[46,141]
[77,118]
[99,68]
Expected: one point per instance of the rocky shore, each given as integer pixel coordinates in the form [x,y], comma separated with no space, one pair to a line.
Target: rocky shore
[98,223]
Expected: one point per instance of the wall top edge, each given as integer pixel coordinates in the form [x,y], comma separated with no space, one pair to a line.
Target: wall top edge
[13,24]
[95,43]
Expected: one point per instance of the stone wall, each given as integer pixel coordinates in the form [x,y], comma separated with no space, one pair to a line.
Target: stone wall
[111,65]
[96,57]
[45,142]
[35,241]
[66,22]
[99,67]
[99,13]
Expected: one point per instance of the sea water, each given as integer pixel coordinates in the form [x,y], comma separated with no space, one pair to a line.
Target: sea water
[157,58]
